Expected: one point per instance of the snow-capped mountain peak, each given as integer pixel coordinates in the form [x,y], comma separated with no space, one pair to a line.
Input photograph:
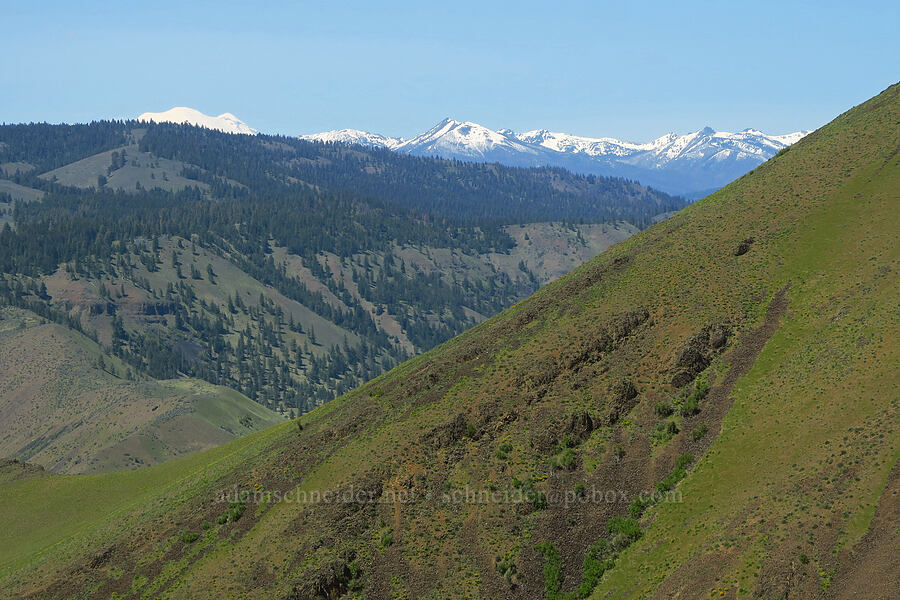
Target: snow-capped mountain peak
[354,136]
[225,122]
[463,139]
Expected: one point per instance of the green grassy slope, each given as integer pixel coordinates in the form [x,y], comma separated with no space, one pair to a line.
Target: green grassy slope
[66,405]
[739,358]
[19,192]
[10,193]
[140,169]
[53,513]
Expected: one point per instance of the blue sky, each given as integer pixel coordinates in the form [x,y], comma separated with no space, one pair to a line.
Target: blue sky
[632,70]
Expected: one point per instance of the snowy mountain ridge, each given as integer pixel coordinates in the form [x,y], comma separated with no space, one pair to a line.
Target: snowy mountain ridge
[690,164]
[355,136]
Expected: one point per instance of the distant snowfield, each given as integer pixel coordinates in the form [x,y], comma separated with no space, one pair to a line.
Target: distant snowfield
[226,122]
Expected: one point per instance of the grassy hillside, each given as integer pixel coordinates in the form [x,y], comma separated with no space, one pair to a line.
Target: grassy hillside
[138,170]
[51,514]
[15,192]
[708,409]
[69,407]
[10,193]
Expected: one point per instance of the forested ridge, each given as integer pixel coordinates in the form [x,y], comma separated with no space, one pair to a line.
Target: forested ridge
[274,269]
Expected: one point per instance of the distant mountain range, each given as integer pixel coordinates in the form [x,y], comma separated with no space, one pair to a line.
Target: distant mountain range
[691,165]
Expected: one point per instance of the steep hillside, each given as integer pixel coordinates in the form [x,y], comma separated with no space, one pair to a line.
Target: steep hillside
[708,409]
[69,407]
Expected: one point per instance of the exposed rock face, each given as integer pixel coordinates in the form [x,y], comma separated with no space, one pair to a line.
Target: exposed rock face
[623,398]
[698,352]
[580,426]
[744,246]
